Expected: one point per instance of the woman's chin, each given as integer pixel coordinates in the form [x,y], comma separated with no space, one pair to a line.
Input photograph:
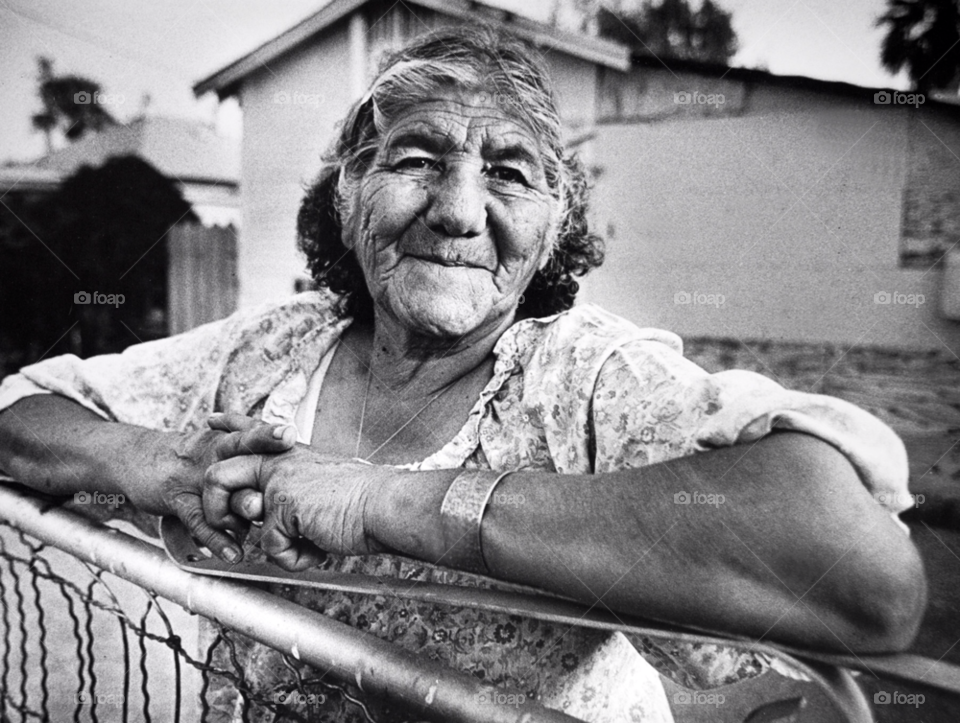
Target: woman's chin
[441,318]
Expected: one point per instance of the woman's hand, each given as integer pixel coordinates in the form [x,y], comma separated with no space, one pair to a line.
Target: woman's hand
[229,435]
[310,503]
[56,446]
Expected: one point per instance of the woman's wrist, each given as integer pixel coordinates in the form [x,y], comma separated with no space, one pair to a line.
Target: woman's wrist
[404,511]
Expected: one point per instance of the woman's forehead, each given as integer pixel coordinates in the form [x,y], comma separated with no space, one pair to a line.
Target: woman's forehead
[467,120]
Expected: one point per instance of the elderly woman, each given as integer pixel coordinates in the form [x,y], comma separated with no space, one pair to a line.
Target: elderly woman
[442,400]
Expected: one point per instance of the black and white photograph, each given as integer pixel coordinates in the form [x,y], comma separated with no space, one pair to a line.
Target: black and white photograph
[480,361]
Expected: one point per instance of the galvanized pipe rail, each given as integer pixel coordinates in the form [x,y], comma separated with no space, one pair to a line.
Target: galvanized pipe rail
[351,656]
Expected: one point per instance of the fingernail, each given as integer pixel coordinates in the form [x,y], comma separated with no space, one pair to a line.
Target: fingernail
[216,414]
[287,433]
[231,555]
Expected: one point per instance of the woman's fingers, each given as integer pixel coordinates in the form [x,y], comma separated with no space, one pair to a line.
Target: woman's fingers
[290,554]
[222,480]
[248,504]
[246,435]
[232,422]
[262,440]
[190,511]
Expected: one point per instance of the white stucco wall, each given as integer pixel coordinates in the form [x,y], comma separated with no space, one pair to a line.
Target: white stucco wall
[289,113]
[791,212]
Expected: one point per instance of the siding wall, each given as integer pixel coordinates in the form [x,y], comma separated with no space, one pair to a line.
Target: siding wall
[791,211]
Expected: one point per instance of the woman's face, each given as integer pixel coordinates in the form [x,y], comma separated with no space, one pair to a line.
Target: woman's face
[454,217]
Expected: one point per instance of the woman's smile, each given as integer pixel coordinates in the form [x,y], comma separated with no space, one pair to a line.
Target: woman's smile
[428,246]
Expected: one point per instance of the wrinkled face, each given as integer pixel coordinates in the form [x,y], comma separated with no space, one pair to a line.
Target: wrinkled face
[453,218]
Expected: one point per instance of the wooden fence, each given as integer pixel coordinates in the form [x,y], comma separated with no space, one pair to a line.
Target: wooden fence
[201,276]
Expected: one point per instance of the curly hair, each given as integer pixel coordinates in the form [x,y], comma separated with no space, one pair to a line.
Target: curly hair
[478,59]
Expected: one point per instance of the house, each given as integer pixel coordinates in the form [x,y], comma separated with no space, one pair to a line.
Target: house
[205,166]
[793,209]
[736,203]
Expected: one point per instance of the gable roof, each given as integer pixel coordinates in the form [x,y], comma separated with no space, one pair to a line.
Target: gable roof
[602,52]
[25,177]
[181,149]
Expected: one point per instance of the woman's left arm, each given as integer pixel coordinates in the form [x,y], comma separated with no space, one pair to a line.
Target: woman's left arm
[776,540]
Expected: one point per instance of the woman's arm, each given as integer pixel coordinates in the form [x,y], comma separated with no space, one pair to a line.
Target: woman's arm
[797,550]
[54,445]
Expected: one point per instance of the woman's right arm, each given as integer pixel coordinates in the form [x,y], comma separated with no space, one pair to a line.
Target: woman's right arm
[56,446]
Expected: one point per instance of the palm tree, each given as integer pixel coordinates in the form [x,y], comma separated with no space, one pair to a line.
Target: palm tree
[923,37]
[671,29]
[68,105]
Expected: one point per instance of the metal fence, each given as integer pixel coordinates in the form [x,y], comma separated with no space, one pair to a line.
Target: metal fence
[76,649]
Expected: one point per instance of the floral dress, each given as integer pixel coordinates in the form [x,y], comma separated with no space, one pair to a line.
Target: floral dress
[580,392]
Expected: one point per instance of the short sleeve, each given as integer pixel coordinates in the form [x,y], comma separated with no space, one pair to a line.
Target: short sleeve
[173,384]
[650,405]
[163,384]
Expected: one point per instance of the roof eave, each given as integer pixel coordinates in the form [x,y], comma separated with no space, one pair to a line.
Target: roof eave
[757,76]
[226,81]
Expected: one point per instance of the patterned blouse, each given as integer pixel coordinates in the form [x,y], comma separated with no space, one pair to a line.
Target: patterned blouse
[577,393]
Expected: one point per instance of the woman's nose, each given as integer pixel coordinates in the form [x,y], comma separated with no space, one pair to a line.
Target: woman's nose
[458,204]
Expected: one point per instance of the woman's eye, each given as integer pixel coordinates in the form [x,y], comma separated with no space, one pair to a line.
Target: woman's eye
[507,173]
[416,163]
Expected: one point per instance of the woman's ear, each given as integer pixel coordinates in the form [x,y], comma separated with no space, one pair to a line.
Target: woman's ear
[546,259]
[549,252]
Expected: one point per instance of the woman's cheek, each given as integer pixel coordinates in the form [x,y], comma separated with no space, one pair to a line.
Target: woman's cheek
[395,201]
[377,230]
[528,232]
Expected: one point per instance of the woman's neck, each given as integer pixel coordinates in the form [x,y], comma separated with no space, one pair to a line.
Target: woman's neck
[413,365]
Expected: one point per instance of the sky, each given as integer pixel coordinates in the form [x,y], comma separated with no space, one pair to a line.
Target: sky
[156,51]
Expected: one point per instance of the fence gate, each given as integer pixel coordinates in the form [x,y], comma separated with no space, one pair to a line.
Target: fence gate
[201,275]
